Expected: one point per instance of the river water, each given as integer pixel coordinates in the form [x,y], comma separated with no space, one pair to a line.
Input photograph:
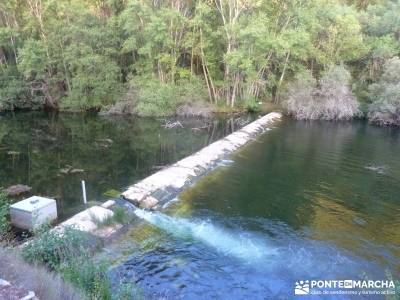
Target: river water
[305,201]
[53,153]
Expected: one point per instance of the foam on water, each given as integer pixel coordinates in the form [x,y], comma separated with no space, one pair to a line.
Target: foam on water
[225,162]
[240,245]
[380,169]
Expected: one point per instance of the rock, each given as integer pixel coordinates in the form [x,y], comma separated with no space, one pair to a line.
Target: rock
[107,141]
[88,220]
[13,153]
[9,291]
[103,143]
[75,171]
[4,283]
[70,170]
[66,169]
[148,203]
[108,204]
[16,190]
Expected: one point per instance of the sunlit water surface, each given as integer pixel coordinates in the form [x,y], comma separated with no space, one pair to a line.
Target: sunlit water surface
[306,200]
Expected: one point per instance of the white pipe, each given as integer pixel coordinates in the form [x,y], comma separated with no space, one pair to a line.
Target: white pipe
[84,192]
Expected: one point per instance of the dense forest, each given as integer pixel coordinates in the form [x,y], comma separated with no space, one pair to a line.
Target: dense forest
[330,59]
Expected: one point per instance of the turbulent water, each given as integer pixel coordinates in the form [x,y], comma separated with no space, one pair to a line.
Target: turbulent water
[306,201]
[53,153]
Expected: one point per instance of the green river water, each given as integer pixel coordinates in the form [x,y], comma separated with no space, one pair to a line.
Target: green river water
[305,201]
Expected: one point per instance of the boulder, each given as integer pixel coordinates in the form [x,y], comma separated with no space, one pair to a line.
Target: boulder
[16,190]
[148,203]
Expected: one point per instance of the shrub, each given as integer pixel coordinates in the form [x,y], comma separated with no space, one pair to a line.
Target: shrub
[331,100]
[51,248]
[148,97]
[120,216]
[385,95]
[46,285]
[195,109]
[252,105]
[5,225]
[88,276]
[69,254]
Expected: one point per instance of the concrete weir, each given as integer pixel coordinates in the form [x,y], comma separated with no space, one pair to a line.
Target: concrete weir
[168,183]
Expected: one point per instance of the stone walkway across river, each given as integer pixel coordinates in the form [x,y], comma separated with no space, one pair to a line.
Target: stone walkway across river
[167,183]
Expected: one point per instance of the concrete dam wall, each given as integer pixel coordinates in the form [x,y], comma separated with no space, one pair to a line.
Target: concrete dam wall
[166,184]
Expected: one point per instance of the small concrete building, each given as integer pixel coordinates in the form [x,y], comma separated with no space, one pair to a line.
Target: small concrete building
[33,212]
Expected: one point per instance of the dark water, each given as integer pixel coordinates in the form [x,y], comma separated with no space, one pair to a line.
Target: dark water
[53,153]
[306,201]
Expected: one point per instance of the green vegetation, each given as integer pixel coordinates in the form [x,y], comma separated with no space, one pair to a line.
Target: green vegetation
[5,225]
[120,216]
[45,284]
[151,57]
[70,254]
[385,95]
[52,249]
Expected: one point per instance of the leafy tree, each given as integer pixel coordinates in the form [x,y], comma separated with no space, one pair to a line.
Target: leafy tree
[85,54]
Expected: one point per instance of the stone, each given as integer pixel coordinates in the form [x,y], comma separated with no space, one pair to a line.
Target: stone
[135,194]
[70,170]
[10,291]
[88,219]
[75,171]
[33,212]
[149,203]
[4,282]
[18,189]
[108,204]
[13,153]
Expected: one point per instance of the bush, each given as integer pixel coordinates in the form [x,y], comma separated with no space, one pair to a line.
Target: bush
[5,225]
[252,105]
[385,95]
[120,216]
[148,97]
[195,109]
[88,276]
[46,285]
[51,248]
[331,100]
[69,254]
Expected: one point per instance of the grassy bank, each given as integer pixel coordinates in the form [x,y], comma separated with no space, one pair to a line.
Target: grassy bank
[59,266]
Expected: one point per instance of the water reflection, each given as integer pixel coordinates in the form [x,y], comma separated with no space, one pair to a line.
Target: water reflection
[52,153]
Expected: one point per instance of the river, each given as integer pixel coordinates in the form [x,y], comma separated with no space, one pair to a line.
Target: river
[305,201]
[53,153]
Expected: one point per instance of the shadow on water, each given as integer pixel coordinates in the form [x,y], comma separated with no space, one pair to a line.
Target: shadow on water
[52,153]
[300,203]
